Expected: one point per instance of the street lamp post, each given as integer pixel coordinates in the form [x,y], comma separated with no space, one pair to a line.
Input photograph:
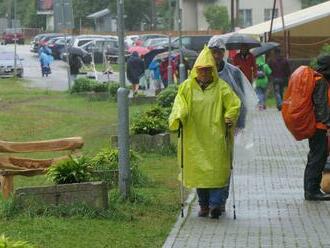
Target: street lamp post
[182,70]
[15,41]
[123,111]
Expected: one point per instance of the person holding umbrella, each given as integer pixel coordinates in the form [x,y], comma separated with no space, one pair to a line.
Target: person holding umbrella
[134,70]
[246,62]
[204,109]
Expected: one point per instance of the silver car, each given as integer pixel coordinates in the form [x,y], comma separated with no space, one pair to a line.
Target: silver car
[7,65]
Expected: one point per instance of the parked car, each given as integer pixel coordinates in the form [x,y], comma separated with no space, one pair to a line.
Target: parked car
[101,47]
[154,43]
[9,36]
[80,40]
[7,65]
[193,42]
[41,39]
[57,45]
[130,39]
[142,38]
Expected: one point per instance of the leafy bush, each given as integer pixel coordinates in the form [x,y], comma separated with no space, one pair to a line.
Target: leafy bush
[84,84]
[166,97]
[150,122]
[7,243]
[113,88]
[101,87]
[105,167]
[72,170]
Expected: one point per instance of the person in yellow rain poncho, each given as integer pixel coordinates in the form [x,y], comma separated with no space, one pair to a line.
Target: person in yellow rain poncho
[205,106]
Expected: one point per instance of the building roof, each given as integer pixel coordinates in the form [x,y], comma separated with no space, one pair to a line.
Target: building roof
[292,20]
[99,14]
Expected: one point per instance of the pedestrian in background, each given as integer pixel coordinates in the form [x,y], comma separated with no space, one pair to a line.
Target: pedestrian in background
[280,75]
[205,107]
[318,143]
[246,62]
[75,63]
[45,59]
[164,70]
[134,70]
[239,84]
[154,67]
[262,80]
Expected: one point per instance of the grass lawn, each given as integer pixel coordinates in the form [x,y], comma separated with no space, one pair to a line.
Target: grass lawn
[31,114]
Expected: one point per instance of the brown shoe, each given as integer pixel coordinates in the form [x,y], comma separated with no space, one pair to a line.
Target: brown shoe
[203,212]
[215,213]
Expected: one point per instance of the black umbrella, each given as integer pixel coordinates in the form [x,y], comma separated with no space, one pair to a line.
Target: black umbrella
[77,51]
[148,57]
[236,41]
[265,47]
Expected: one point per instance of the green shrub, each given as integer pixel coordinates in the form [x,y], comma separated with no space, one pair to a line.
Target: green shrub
[72,170]
[105,167]
[101,87]
[144,124]
[8,243]
[113,88]
[84,84]
[166,97]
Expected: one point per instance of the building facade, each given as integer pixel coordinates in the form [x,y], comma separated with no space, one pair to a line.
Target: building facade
[250,12]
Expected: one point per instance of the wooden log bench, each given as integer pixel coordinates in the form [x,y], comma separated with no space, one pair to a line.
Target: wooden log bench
[11,166]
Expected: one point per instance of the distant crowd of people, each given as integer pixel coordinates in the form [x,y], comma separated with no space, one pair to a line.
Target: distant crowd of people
[264,72]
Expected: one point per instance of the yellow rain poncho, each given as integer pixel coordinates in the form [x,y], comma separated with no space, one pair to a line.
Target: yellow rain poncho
[206,162]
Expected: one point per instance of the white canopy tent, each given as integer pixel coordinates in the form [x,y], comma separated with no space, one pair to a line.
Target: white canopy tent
[312,21]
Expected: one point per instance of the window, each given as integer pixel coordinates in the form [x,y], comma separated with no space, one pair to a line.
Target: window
[268,14]
[245,17]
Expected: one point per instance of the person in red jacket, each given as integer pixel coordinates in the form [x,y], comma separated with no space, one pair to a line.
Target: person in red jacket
[245,61]
[164,70]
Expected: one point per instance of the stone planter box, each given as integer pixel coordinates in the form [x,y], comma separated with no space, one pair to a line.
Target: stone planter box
[146,142]
[93,194]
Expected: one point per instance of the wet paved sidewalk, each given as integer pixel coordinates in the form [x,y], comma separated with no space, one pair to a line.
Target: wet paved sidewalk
[270,206]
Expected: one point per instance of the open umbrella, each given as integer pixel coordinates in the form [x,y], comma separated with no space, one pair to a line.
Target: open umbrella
[236,41]
[148,57]
[139,49]
[264,48]
[77,51]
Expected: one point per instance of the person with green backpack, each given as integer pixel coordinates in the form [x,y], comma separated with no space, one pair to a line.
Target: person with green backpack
[262,80]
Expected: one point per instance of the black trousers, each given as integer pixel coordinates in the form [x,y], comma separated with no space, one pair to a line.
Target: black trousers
[317,157]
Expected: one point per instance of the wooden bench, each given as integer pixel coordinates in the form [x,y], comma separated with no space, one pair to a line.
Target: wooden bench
[11,166]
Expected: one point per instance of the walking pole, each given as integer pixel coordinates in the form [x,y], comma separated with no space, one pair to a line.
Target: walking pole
[180,135]
[232,169]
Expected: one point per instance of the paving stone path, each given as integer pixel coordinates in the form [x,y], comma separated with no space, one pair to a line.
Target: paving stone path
[271,210]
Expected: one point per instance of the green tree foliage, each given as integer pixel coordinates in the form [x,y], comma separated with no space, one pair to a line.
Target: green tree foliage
[135,12]
[217,17]
[308,3]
